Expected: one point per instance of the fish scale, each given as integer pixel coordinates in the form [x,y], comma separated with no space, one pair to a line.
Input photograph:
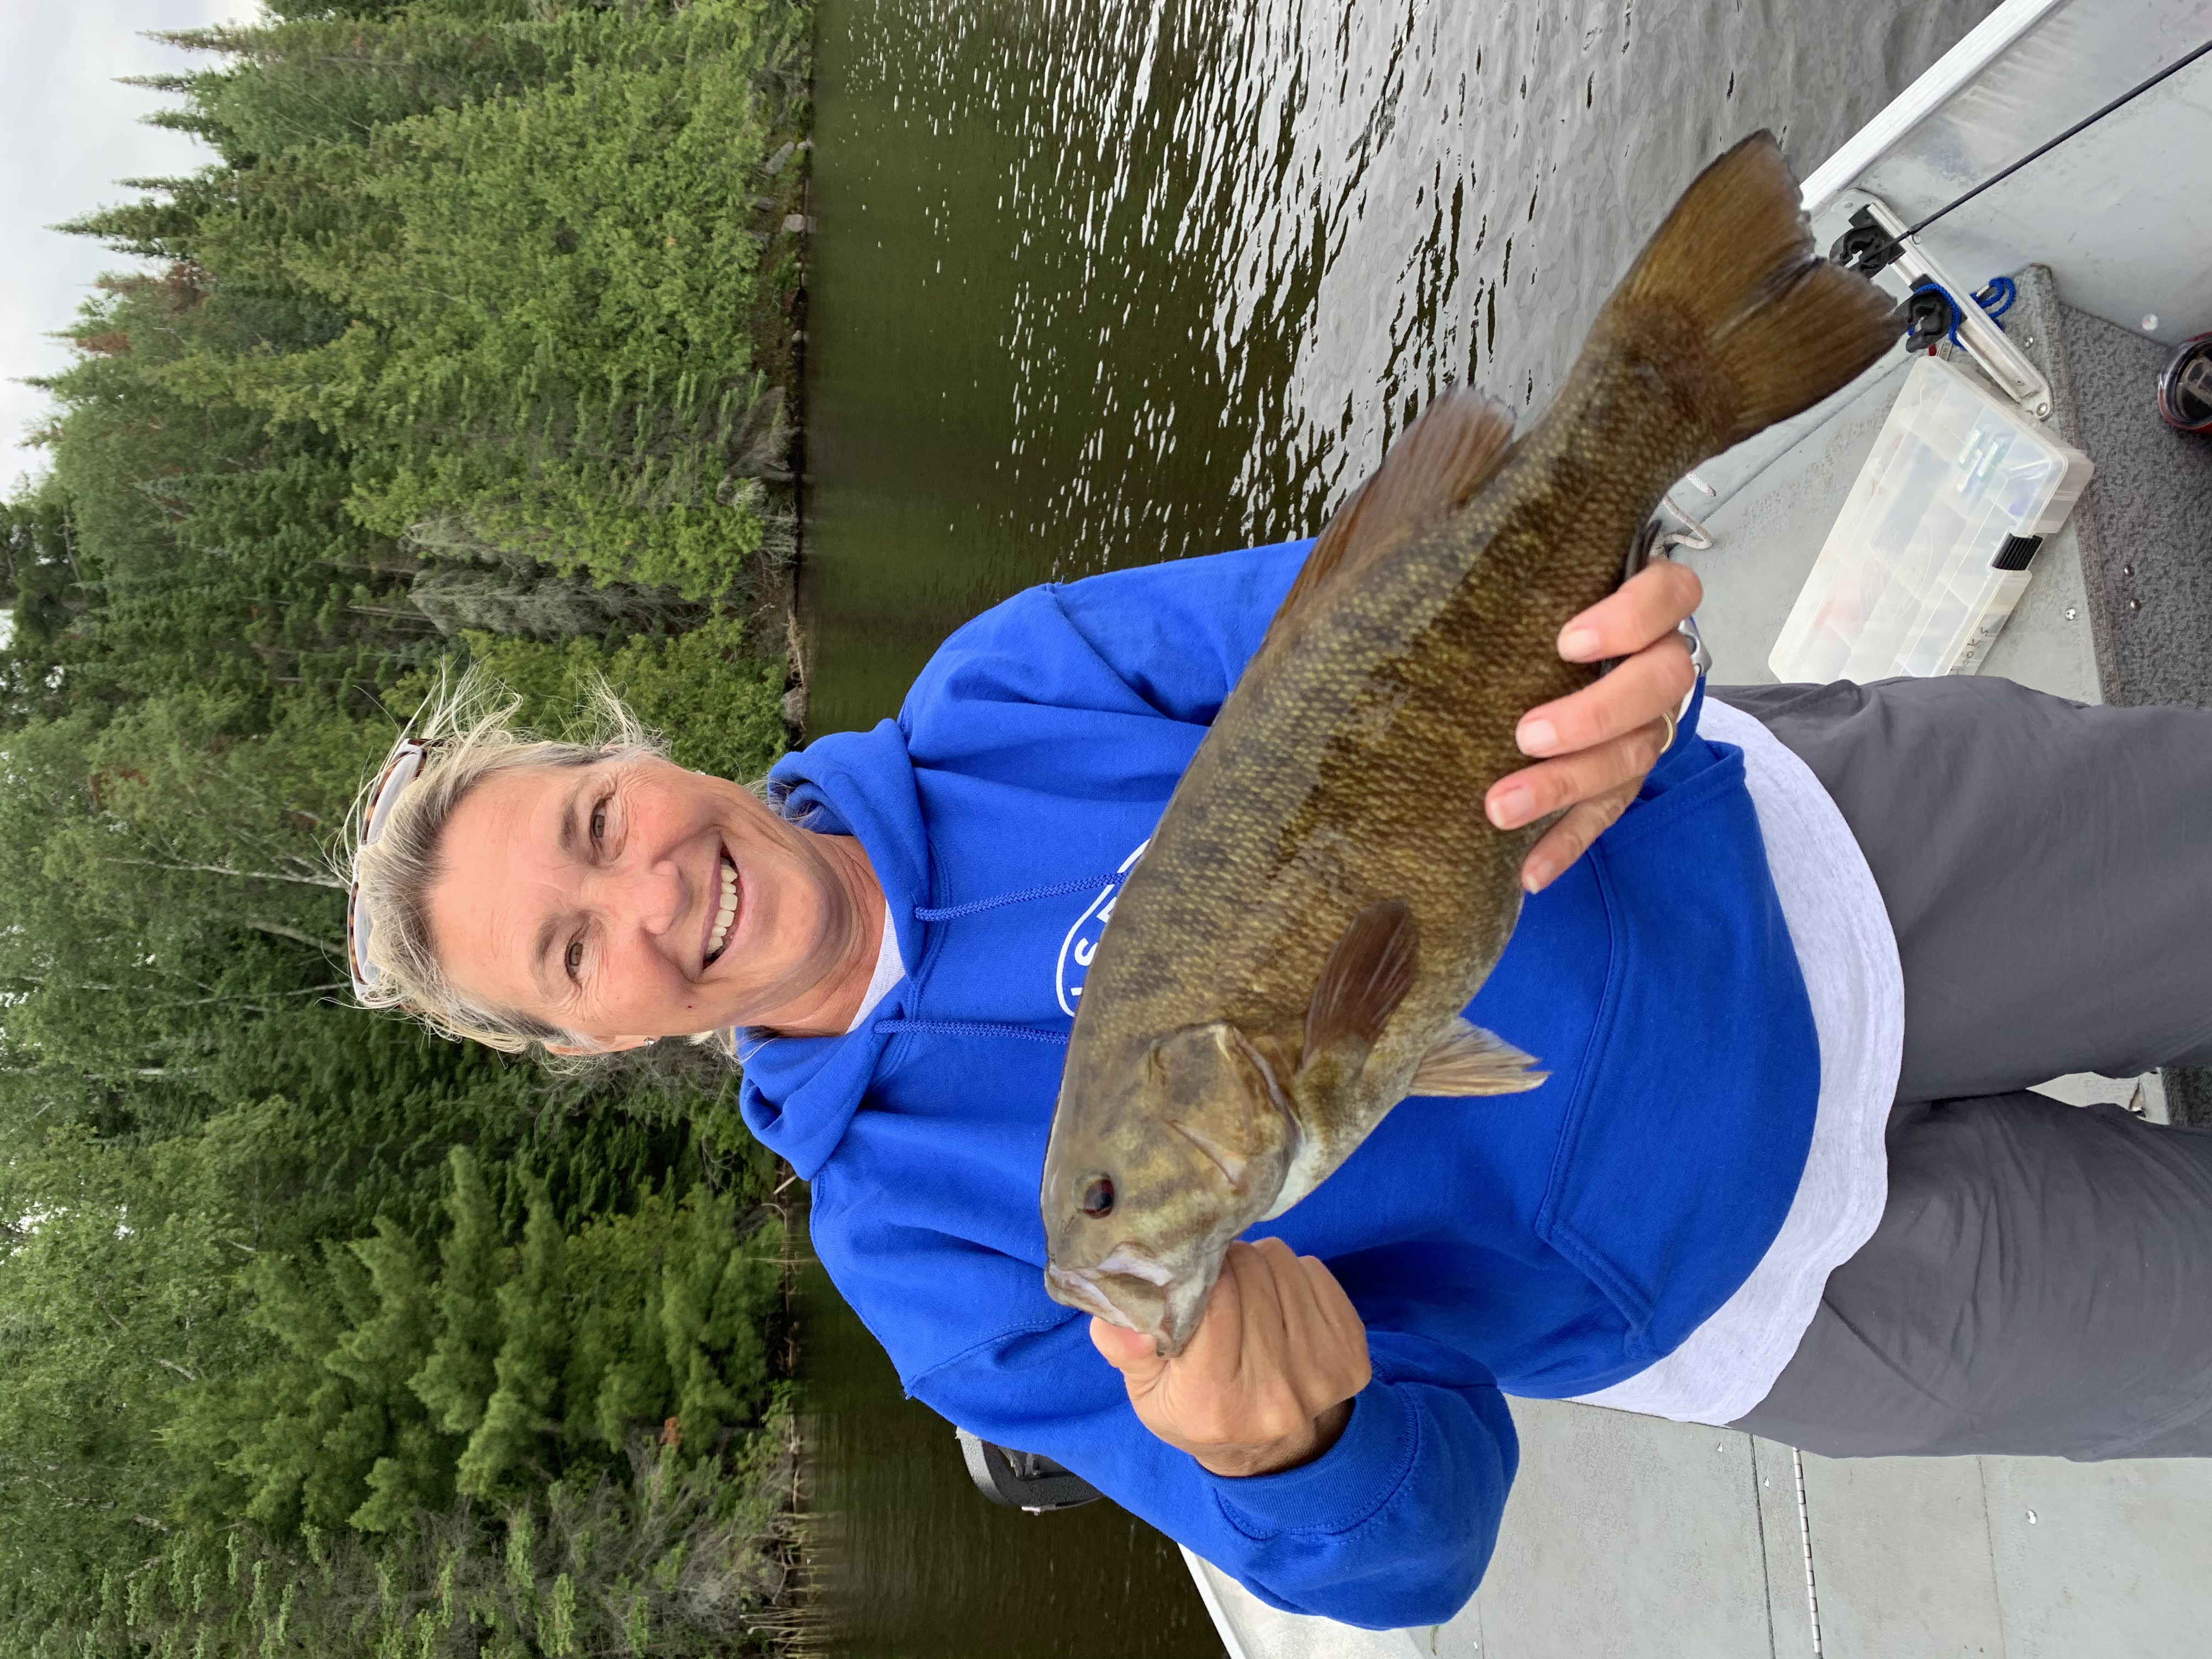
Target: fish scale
[1323,894]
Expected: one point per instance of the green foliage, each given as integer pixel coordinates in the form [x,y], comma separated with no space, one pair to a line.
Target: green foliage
[533,1316]
[655,1553]
[545,245]
[458,1377]
[324,1336]
[721,709]
[179,1365]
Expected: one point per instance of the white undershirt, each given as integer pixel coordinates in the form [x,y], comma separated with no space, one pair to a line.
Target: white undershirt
[1848,954]
[889,970]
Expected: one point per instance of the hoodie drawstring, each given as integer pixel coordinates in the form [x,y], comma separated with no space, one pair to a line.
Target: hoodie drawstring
[968,1028]
[1059,890]
[983,1028]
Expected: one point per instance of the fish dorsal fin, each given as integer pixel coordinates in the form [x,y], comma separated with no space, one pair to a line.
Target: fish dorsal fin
[1437,466]
[1366,977]
[1469,1061]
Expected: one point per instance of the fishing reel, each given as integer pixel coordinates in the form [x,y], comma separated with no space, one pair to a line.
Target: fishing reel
[1657,540]
[2184,389]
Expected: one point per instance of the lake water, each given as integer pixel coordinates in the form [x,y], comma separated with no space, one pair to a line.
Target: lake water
[1096,284]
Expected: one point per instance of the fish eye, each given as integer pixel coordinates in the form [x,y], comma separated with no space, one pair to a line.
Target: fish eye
[1098,1197]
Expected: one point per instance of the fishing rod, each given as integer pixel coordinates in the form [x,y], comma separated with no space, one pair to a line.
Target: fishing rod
[1868,248]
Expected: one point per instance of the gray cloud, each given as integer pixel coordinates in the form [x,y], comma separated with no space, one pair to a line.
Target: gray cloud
[70,133]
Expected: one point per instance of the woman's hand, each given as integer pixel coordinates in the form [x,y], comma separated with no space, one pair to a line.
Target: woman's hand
[1595,745]
[1268,1380]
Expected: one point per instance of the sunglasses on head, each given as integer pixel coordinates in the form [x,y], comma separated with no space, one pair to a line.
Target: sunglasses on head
[400,770]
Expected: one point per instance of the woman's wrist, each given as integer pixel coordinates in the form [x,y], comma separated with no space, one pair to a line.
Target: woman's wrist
[1274,1456]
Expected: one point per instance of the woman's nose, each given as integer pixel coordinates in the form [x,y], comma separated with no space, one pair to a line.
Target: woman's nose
[647,894]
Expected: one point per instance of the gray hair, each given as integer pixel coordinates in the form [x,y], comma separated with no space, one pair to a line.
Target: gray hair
[472,720]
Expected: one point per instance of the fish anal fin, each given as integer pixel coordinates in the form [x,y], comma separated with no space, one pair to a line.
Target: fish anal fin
[1368,973]
[1469,1061]
[1436,467]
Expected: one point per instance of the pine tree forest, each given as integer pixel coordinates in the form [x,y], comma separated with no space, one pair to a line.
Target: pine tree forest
[473,343]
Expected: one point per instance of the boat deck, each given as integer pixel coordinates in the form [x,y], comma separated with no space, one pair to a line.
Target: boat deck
[1631,1537]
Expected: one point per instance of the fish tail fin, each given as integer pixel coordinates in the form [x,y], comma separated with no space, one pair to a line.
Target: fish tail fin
[1773,328]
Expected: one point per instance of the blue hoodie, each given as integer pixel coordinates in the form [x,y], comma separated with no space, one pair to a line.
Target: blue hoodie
[1546,1243]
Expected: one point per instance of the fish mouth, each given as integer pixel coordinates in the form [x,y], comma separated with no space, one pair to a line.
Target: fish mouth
[1076,1288]
[1151,1302]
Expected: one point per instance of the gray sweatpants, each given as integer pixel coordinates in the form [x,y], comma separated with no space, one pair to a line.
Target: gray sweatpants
[2041,1280]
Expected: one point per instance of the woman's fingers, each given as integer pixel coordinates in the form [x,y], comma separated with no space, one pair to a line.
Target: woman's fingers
[1265,1379]
[1595,746]
[1571,837]
[1653,679]
[1645,609]
[1323,1356]
[1309,1366]
[1338,1330]
[1269,1381]
[1554,786]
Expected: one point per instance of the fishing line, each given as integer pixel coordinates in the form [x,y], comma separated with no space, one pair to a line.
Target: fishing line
[2082,125]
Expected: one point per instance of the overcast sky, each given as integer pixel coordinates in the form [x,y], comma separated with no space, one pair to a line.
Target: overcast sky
[68,132]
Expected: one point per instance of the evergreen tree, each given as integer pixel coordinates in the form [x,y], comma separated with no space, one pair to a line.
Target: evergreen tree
[486,292]
[533,1321]
[459,1375]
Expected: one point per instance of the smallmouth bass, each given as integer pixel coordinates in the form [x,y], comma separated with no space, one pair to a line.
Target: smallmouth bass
[1323,894]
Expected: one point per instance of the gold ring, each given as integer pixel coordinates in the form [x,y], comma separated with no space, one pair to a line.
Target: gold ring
[1668,715]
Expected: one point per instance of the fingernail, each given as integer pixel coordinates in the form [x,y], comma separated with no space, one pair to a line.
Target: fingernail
[1534,877]
[1536,737]
[1510,808]
[1578,643]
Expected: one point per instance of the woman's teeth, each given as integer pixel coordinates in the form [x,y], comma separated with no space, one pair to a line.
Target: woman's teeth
[727,910]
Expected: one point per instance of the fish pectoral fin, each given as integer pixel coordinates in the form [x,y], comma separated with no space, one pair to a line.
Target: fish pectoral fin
[1436,467]
[1469,1061]
[1368,973]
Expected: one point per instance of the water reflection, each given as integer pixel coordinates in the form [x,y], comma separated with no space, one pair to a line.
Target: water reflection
[915,1563]
[1098,283]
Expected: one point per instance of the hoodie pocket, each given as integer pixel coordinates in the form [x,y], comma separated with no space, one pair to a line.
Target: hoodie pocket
[1683,1147]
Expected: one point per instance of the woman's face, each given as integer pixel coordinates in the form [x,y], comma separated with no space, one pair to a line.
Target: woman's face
[592,897]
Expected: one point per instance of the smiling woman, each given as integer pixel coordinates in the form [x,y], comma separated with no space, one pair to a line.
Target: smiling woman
[592,897]
[1709,1212]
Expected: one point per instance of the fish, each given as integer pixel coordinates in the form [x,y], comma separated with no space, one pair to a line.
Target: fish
[1323,896]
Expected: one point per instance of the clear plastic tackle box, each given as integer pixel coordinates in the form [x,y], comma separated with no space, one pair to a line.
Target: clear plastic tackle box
[1931,552]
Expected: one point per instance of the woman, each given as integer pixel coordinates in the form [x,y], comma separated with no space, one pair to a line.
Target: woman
[1783,1175]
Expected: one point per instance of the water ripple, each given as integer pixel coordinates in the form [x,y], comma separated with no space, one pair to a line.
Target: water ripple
[1107,281]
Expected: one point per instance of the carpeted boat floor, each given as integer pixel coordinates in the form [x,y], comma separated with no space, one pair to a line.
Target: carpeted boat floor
[2146,532]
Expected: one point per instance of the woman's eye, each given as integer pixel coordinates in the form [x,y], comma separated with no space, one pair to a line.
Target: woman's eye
[598,823]
[575,957]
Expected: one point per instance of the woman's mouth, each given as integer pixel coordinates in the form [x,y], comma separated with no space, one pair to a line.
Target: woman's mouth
[726,910]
